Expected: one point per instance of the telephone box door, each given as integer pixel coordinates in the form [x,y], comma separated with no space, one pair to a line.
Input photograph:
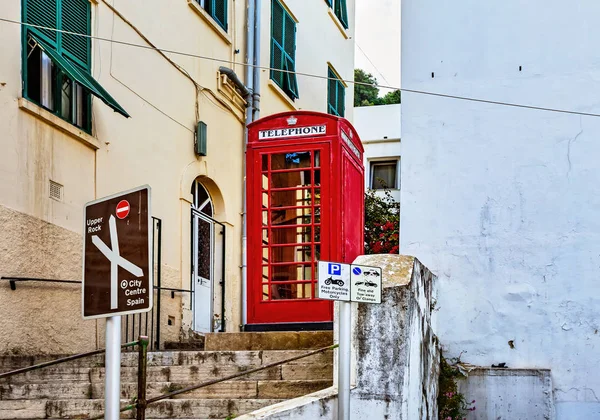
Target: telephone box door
[290,224]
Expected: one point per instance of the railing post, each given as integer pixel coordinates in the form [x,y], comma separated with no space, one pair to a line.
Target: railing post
[142,364]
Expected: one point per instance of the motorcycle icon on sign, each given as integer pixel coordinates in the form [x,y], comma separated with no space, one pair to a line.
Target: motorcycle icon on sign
[338,282]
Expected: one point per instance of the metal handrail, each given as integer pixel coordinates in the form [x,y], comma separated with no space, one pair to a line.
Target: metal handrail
[141,402]
[13,280]
[62,360]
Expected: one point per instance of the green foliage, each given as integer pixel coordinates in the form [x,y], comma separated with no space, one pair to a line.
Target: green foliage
[365,95]
[369,95]
[451,403]
[382,223]
[391,98]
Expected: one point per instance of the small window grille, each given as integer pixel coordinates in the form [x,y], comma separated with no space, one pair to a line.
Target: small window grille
[56,191]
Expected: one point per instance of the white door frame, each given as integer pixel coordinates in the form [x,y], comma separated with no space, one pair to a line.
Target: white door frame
[200,295]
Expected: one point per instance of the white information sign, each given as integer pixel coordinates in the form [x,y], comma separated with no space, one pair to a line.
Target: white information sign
[365,284]
[334,281]
[349,282]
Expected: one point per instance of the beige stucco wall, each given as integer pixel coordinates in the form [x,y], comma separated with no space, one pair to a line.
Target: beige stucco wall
[154,146]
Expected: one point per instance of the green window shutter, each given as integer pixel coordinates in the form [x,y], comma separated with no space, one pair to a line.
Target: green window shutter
[42,13]
[341,99]
[290,37]
[277,26]
[283,49]
[292,82]
[329,2]
[75,17]
[77,74]
[219,12]
[331,94]
[341,11]
[336,94]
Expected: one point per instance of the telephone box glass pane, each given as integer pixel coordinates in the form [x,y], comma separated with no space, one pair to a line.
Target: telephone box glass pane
[290,232]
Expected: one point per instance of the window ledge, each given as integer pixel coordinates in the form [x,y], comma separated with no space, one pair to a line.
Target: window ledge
[211,22]
[59,123]
[337,22]
[282,94]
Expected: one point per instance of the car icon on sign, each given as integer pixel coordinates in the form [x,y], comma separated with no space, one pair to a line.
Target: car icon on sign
[368,273]
[370,284]
[338,282]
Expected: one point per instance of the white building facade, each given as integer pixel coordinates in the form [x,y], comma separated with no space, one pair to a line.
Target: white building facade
[379,130]
[501,201]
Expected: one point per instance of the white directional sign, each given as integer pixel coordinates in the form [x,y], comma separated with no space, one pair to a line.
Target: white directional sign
[334,281]
[349,282]
[365,284]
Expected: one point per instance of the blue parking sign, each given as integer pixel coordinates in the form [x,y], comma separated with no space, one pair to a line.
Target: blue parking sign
[335,269]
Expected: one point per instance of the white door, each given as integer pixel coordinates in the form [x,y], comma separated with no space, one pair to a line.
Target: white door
[203,272]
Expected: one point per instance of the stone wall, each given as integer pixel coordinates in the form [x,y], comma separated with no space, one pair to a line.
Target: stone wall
[41,318]
[395,353]
[45,318]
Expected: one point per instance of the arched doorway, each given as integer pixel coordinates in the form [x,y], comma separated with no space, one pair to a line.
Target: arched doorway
[207,244]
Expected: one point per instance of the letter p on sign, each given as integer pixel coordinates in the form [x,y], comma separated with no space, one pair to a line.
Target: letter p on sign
[335,269]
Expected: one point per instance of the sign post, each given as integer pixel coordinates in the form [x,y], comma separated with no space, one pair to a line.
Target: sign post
[347,283]
[117,273]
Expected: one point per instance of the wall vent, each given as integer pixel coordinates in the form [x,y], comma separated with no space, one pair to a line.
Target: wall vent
[56,191]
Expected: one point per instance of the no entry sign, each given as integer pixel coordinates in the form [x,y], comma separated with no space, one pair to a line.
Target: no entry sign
[117,266]
[123,209]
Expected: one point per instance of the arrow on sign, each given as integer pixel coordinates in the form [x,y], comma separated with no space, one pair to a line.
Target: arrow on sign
[116,261]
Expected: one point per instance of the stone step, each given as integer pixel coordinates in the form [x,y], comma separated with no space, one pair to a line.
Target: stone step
[178,374]
[170,358]
[297,340]
[228,389]
[167,409]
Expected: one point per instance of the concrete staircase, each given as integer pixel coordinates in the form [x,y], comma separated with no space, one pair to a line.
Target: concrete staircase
[75,390]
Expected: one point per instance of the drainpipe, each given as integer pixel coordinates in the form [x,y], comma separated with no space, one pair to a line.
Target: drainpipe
[251,93]
[256,69]
[250,57]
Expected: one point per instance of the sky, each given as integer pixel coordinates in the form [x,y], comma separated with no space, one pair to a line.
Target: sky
[378,36]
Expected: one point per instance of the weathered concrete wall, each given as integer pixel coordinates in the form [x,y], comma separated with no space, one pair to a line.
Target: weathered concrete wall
[509,394]
[397,358]
[395,353]
[501,202]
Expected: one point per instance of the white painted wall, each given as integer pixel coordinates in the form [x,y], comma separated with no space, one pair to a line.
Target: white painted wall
[379,131]
[501,202]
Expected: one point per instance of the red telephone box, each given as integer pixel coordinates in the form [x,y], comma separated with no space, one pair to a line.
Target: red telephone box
[305,204]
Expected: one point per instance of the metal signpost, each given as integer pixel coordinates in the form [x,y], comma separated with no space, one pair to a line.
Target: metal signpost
[117,273]
[347,283]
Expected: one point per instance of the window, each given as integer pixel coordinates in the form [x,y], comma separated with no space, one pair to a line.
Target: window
[57,65]
[341,10]
[217,9]
[336,94]
[385,174]
[283,49]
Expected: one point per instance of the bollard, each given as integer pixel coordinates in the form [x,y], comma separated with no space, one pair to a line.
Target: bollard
[142,365]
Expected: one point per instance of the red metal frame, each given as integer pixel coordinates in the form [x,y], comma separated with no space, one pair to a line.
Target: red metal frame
[270,246]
